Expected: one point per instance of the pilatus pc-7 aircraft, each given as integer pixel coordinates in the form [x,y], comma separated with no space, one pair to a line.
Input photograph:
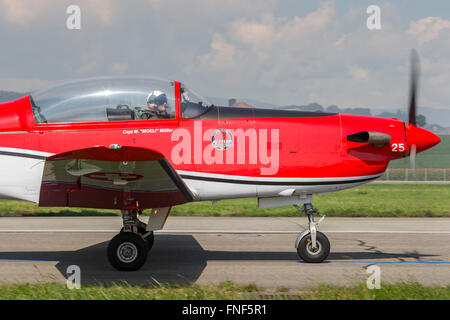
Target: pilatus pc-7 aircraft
[144,143]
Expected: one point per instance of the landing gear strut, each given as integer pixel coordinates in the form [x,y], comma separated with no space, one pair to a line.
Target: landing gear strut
[312,246]
[131,223]
[128,250]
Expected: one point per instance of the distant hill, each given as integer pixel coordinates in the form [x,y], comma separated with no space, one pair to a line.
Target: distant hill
[332,109]
[427,116]
[255,103]
[437,129]
[434,115]
[6,96]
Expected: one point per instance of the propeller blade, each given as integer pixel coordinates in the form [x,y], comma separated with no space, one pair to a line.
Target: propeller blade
[412,158]
[415,70]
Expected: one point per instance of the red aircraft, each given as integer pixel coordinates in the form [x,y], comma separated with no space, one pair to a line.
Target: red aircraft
[145,143]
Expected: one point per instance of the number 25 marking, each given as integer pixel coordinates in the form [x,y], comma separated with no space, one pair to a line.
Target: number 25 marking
[398,147]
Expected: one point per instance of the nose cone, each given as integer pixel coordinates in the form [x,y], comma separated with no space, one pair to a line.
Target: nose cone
[421,138]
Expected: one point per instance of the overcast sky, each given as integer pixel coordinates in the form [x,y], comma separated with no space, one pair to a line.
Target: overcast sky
[282,52]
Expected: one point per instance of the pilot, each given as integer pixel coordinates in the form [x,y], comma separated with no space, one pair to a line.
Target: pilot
[156,107]
[157,104]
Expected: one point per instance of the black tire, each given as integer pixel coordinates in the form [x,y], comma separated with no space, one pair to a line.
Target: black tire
[127,251]
[150,239]
[306,252]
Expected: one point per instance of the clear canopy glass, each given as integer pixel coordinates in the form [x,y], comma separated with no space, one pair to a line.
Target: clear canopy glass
[192,104]
[105,99]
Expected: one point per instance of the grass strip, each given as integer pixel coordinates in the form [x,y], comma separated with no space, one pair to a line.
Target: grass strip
[373,200]
[224,291]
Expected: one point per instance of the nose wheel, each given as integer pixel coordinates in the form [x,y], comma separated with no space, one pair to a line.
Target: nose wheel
[312,245]
[308,253]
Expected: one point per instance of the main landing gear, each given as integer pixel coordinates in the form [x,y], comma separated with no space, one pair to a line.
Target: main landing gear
[128,250]
[312,246]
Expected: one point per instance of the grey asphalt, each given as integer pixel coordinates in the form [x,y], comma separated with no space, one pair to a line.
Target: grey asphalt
[210,250]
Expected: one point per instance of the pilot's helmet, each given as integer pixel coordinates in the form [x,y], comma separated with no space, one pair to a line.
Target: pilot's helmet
[157,98]
[157,103]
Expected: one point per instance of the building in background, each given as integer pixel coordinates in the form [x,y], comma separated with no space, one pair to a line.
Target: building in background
[233,103]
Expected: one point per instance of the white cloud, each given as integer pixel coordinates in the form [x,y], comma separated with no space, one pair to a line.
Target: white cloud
[212,8]
[26,13]
[322,57]
[428,29]
[24,85]
[340,41]
[270,31]
[357,72]
[22,12]
[118,68]
[103,10]
[254,33]
[315,21]
[221,55]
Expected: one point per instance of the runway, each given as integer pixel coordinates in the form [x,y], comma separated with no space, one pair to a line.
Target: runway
[210,250]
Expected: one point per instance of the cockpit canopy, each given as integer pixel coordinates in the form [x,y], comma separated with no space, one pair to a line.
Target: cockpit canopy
[114,99]
[192,104]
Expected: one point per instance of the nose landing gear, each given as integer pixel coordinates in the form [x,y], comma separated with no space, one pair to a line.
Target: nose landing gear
[312,246]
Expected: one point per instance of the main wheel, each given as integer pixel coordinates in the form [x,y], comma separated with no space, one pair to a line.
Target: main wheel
[308,253]
[127,251]
[150,239]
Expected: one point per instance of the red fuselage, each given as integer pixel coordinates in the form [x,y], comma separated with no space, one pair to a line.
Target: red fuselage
[306,145]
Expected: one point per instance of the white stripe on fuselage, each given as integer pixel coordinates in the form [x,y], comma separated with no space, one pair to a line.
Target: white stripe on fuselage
[231,186]
[21,173]
[273,179]
[26,151]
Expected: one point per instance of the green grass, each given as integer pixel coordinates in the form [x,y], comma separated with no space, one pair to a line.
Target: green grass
[21,208]
[399,291]
[369,200]
[56,291]
[225,291]
[374,200]
[418,174]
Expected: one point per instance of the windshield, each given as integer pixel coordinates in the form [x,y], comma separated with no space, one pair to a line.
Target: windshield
[192,104]
[105,99]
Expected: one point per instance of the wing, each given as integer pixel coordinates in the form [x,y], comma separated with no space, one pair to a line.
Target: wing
[121,178]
